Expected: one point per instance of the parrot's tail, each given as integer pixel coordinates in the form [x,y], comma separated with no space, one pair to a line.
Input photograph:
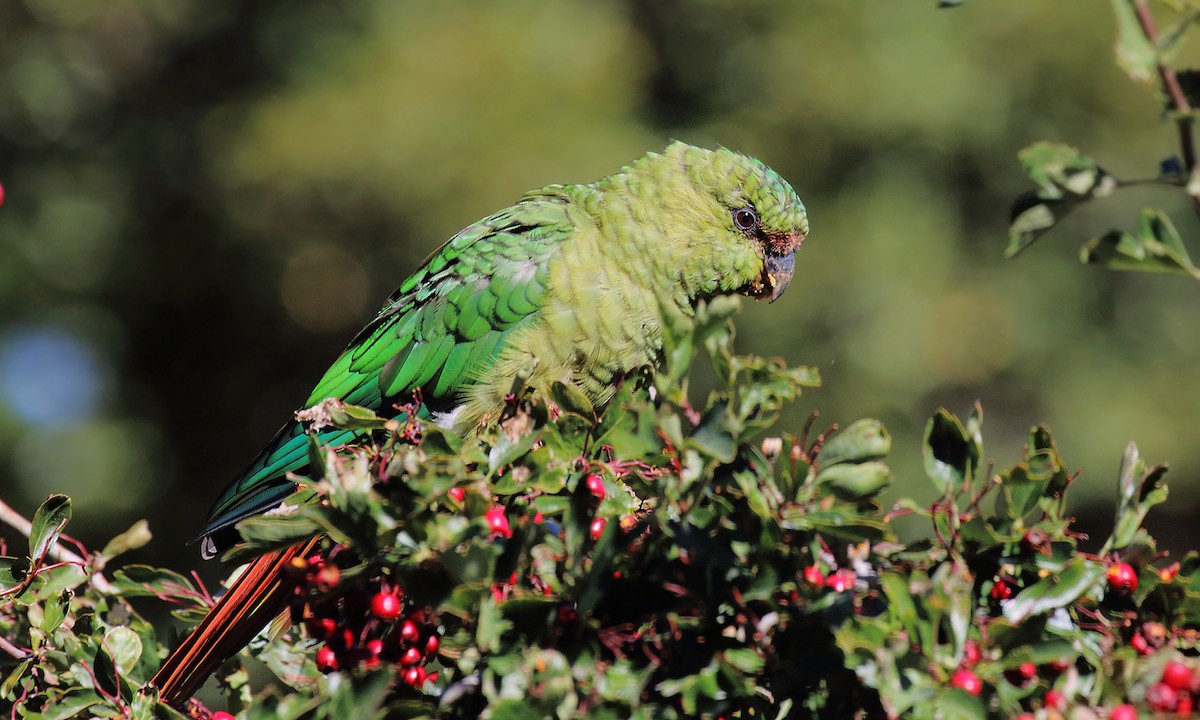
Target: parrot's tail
[258,595]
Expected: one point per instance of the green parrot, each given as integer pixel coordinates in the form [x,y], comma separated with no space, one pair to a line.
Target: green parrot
[564,285]
[569,284]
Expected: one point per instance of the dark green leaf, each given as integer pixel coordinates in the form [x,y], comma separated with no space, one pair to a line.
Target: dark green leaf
[48,522]
[950,455]
[12,572]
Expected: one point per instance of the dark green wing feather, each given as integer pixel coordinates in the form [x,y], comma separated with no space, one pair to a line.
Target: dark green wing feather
[437,333]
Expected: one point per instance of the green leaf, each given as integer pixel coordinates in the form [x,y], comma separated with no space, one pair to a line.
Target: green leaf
[956,704]
[12,572]
[1156,248]
[139,580]
[951,456]
[1055,591]
[276,531]
[712,436]
[138,535]
[513,710]
[744,659]
[509,447]
[48,522]
[54,611]
[1066,178]
[859,441]
[855,483]
[570,399]
[1136,55]
[124,647]
[1138,490]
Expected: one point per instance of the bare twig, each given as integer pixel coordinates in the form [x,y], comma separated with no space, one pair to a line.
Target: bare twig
[59,551]
[12,650]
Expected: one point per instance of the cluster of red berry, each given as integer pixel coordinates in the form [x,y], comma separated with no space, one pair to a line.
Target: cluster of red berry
[360,629]
[1178,691]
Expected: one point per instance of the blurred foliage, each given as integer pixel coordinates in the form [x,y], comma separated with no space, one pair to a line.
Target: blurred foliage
[648,559]
[205,201]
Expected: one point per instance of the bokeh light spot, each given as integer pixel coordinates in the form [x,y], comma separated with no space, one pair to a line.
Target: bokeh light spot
[48,377]
[324,288]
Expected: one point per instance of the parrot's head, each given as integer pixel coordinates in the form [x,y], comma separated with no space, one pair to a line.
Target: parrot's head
[734,224]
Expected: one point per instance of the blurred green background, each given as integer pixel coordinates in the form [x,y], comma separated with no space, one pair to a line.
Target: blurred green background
[206,200]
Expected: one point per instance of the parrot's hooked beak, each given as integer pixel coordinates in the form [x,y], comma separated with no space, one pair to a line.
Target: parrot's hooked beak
[778,271]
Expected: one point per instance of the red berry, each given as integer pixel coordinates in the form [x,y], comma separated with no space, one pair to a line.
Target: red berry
[221,715]
[1177,675]
[345,637]
[597,528]
[374,647]
[967,681]
[386,606]
[328,577]
[841,580]
[431,646]
[327,660]
[1056,700]
[1121,577]
[595,485]
[971,653]
[1141,644]
[1021,674]
[1185,705]
[1059,666]
[1123,712]
[1025,716]
[459,494]
[1,196]
[1162,697]
[1002,589]
[415,676]
[498,522]
[320,628]
[409,632]
[814,576]
[411,656]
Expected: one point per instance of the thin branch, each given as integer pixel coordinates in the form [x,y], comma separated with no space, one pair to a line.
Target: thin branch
[1170,83]
[58,550]
[12,650]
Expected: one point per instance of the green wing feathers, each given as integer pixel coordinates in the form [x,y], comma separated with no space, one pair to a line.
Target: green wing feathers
[439,333]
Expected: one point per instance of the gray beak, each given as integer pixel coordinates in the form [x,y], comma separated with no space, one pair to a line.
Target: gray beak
[779,271]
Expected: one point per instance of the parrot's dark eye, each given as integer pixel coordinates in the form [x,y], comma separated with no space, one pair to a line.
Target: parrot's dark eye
[745,219]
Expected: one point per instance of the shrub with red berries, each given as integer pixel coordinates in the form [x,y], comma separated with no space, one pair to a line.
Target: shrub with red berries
[651,559]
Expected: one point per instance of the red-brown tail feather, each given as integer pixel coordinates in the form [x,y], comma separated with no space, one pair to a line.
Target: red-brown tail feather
[255,597]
